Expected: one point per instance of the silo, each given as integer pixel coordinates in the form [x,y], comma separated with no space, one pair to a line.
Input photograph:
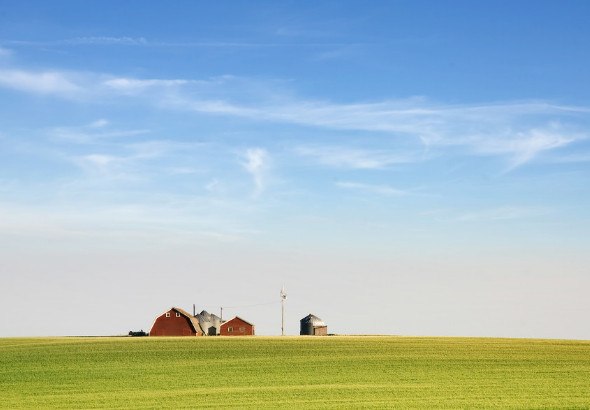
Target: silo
[312,325]
[209,323]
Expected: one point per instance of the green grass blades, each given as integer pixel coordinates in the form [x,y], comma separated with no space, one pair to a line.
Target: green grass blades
[308,372]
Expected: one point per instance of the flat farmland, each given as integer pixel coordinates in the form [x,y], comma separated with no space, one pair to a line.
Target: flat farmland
[311,372]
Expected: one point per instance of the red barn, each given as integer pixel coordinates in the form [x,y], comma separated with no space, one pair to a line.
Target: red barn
[237,327]
[176,322]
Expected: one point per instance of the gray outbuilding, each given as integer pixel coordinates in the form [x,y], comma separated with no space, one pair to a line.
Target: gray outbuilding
[313,326]
[209,323]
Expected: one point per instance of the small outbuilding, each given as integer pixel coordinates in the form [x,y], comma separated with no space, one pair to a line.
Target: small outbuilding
[313,326]
[176,322]
[237,327]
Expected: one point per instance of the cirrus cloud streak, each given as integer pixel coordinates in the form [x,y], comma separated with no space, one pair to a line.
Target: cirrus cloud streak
[519,131]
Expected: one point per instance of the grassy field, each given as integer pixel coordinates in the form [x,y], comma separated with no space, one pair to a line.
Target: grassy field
[306,372]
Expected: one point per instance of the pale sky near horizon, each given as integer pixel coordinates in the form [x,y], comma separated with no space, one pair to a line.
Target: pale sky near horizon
[402,167]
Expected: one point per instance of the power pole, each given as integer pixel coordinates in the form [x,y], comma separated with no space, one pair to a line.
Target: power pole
[283,298]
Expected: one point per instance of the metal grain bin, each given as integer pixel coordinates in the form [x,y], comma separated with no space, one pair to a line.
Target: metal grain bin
[313,326]
[209,323]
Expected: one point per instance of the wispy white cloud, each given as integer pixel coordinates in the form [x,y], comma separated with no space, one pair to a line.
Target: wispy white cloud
[113,166]
[90,40]
[105,40]
[135,85]
[92,132]
[5,52]
[183,171]
[87,86]
[100,160]
[41,83]
[385,190]
[111,162]
[503,213]
[524,146]
[144,42]
[99,123]
[343,157]
[517,131]
[257,163]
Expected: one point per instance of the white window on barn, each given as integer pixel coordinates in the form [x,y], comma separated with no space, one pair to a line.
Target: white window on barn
[177,314]
[242,329]
[230,329]
[167,314]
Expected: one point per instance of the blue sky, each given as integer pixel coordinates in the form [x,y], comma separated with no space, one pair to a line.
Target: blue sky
[401,167]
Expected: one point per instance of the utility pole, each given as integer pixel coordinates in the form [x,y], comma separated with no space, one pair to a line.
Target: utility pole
[283,298]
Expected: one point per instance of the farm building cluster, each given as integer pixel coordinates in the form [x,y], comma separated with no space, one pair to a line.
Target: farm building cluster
[178,322]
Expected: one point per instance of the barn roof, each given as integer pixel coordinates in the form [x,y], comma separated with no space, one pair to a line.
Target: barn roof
[237,317]
[313,320]
[193,320]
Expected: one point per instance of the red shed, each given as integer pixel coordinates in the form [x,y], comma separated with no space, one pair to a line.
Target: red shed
[237,327]
[175,322]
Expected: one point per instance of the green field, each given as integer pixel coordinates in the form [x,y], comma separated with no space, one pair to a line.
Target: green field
[309,372]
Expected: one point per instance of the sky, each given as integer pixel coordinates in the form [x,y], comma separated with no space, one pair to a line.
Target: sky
[401,167]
